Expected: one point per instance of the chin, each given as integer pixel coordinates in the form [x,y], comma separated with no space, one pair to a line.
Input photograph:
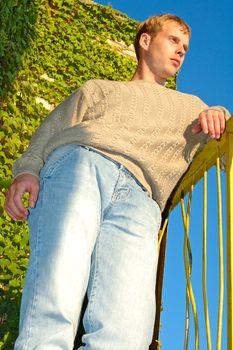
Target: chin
[171,72]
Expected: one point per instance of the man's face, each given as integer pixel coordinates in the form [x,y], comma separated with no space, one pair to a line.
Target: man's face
[164,54]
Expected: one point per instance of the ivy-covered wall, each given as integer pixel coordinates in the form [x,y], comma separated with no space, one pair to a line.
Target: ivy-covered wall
[48,48]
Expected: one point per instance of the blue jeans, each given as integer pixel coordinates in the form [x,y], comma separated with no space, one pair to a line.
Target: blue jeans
[94,229]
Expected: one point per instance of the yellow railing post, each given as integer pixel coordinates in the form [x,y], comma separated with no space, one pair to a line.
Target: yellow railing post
[229,190]
[188,267]
[221,261]
[204,262]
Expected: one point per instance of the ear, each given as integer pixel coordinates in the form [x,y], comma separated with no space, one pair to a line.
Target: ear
[145,40]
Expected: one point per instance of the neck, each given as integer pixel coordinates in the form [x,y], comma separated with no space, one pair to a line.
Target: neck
[142,73]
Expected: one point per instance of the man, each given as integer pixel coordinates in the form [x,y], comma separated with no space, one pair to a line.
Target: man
[108,157]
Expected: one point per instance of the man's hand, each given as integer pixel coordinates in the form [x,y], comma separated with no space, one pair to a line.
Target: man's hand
[211,122]
[25,183]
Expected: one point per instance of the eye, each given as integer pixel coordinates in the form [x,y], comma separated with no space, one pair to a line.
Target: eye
[173,39]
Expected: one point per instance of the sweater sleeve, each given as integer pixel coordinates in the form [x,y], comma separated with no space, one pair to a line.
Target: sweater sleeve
[203,106]
[207,137]
[69,113]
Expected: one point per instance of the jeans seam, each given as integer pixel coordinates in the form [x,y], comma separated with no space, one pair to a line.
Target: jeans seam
[35,286]
[95,279]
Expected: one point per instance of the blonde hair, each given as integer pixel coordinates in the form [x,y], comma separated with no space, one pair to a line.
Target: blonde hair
[154,24]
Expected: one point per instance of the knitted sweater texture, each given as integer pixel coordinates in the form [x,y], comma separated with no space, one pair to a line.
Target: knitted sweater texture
[141,124]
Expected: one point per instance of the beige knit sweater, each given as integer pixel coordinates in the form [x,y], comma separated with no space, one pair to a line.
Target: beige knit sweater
[141,124]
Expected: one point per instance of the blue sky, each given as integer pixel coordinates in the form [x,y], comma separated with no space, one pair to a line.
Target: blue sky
[207,73]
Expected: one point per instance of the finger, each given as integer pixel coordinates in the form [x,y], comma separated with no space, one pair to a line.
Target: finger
[33,195]
[222,122]
[203,122]
[10,214]
[10,208]
[210,122]
[197,128]
[216,122]
[18,203]
[13,216]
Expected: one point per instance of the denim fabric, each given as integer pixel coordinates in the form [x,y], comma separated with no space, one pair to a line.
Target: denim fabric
[94,229]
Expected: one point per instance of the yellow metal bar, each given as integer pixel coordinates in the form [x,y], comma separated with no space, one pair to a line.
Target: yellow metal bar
[186,219]
[159,284]
[161,233]
[221,262]
[187,318]
[187,267]
[229,174]
[204,287]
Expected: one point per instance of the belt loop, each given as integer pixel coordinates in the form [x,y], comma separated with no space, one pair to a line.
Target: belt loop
[85,147]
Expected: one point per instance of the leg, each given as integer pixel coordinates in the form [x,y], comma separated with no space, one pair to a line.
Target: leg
[121,292]
[63,230]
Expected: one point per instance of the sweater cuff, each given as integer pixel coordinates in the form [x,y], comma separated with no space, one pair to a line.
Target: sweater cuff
[220,108]
[27,165]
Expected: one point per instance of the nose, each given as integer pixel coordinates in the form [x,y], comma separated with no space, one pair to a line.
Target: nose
[180,50]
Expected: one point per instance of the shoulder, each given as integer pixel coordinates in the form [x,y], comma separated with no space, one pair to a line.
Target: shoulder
[100,84]
[100,89]
[96,87]
[184,95]
[194,101]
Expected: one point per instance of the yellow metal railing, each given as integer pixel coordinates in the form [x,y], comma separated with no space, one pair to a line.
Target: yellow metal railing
[208,157]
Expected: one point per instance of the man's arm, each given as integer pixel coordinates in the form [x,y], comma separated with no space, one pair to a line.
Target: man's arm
[27,168]
[212,122]
[69,113]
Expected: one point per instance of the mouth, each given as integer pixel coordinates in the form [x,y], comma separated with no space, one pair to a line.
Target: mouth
[175,61]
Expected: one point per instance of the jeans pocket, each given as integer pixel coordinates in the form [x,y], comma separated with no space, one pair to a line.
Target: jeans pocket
[55,157]
[121,194]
